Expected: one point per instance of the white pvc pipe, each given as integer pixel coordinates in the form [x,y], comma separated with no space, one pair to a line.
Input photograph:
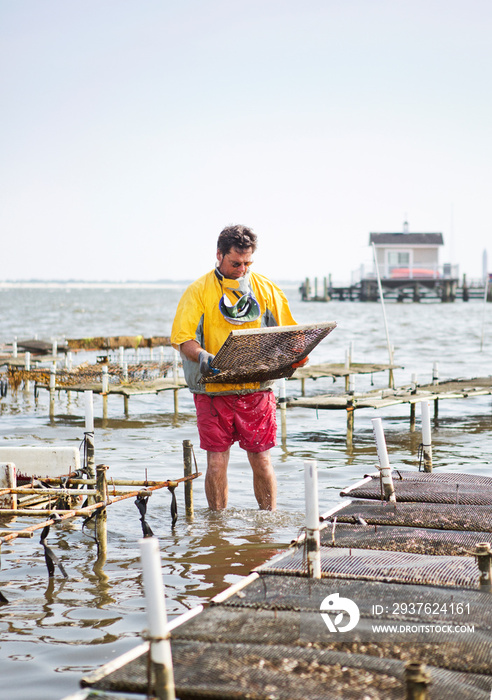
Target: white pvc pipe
[14,348]
[312,519]
[160,647]
[105,380]
[175,366]
[351,383]
[89,412]
[380,442]
[122,355]
[311,494]
[27,361]
[435,372]
[426,423]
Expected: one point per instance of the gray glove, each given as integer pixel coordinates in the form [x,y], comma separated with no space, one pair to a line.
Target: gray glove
[204,360]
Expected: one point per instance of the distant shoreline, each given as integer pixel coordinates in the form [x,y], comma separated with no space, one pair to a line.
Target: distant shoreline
[108,284]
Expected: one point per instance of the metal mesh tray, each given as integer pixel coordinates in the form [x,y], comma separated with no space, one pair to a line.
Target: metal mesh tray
[403,539]
[261,354]
[439,488]
[444,516]
[257,672]
[377,565]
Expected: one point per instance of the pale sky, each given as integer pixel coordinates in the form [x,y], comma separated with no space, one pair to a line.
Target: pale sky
[133,131]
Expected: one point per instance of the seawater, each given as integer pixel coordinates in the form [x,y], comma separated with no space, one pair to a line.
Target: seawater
[54,631]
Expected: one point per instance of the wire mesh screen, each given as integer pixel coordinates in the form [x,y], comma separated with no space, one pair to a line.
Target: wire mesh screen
[377,565]
[403,539]
[258,672]
[439,488]
[444,516]
[264,354]
[270,641]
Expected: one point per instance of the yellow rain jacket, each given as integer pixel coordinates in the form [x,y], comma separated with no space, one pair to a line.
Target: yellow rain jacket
[199,318]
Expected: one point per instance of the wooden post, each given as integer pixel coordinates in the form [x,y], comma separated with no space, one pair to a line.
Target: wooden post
[89,439]
[417,680]
[412,417]
[105,390]
[27,365]
[102,516]
[350,423]
[312,519]
[188,471]
[52,389]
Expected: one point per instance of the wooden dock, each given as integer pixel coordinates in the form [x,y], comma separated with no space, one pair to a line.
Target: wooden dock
[401,608]
[414,289]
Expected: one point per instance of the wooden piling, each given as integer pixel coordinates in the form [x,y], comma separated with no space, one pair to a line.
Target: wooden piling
[188,470]
[52,390]
[89,438]
[105,390]
[350,423]
[102,516]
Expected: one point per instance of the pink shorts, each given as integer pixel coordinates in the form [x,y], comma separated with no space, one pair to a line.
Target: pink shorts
[249,418]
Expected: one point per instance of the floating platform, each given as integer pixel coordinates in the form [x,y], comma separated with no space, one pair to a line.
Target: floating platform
[404,574]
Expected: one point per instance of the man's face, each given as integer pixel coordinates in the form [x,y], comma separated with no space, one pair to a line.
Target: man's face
[235,263]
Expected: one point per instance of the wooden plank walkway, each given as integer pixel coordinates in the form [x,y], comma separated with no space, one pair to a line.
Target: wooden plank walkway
[394,603]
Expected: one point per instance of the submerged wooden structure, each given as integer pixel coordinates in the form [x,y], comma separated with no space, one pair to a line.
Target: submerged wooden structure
[50,485]
[390,597]
[48,366]
[411,394]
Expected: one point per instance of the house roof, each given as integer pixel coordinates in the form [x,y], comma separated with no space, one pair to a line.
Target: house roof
[406,239]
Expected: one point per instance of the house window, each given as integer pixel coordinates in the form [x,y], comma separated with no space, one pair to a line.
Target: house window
[399,258]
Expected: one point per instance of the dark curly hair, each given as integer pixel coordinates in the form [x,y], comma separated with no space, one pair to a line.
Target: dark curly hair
[237,236]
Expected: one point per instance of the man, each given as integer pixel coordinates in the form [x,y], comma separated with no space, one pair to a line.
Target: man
[228,297]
